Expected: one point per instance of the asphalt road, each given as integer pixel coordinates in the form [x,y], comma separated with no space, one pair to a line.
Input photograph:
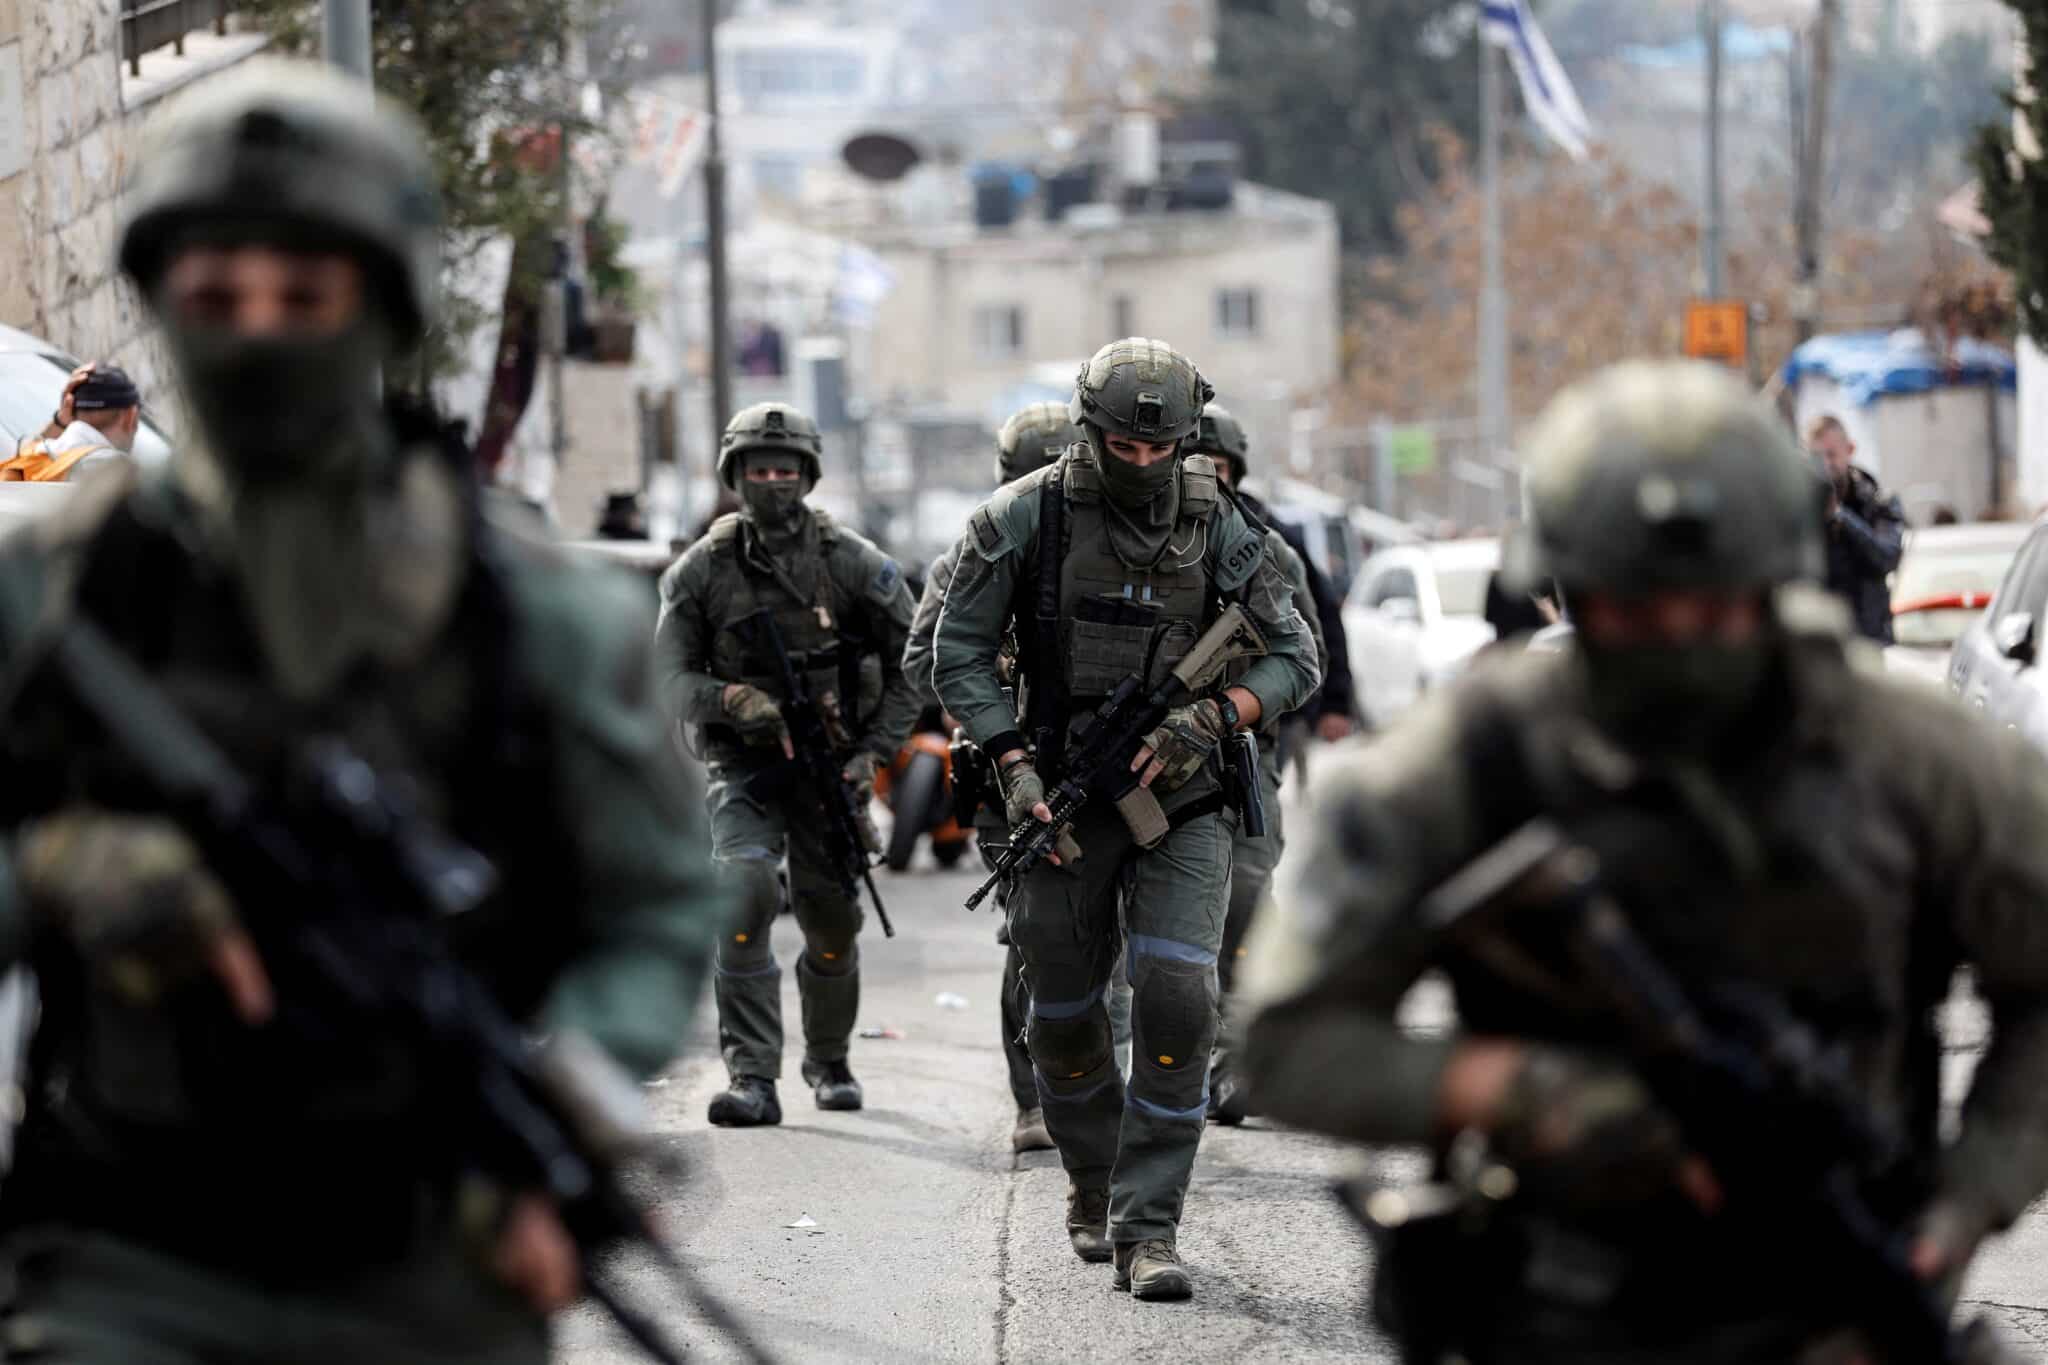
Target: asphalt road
[932,1242]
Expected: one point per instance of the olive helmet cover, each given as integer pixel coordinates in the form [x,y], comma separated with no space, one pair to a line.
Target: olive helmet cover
[1223,436]
[1033,438]
[1141,389]
[770,426]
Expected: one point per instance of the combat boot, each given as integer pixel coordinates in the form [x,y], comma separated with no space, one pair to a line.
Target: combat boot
[833,1084]
[1030,1134]
[1088,1223]
[749,1102]
[1151,1269]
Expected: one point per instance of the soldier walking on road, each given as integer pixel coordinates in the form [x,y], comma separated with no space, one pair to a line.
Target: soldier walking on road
[1111,563]
[842,613]
[1716,797]
[230,1153]
[1033,438]
[1252,859]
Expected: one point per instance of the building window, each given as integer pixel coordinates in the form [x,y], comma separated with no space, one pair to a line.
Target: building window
[1123,316]
[999,331]
[1237,312]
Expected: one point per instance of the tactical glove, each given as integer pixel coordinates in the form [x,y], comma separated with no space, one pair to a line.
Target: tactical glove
[1184,741]
[859,773]
[130,892]
[1022,788]
[1584,1134]
[754,714]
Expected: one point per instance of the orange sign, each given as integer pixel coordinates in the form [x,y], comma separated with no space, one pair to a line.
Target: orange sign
[1718,329]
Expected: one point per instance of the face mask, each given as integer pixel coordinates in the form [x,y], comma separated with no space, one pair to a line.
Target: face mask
[1674,698]
[1131,486]
[278,409]
[774,507]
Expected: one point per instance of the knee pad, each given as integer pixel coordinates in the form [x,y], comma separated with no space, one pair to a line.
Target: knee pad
[830,956]
[1174,1003]
[1065,1049]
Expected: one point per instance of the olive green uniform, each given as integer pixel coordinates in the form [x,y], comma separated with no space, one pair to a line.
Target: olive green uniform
[1848,852]
[843,612]
[1169,901]
[188,1188]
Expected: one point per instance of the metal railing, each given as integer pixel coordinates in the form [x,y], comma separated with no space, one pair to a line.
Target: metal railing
[147,25]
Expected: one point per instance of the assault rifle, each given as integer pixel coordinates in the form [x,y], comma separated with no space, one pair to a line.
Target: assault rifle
[1098,760]
[819,770]
[1775,1116]
[371,888]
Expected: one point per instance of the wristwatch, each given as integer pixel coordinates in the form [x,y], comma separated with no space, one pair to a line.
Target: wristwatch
[1229,710]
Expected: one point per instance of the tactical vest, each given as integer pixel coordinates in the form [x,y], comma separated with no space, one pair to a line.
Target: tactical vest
[831,648]
[1117,618]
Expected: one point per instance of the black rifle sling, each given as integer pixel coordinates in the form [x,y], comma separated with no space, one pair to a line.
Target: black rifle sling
[1046,723]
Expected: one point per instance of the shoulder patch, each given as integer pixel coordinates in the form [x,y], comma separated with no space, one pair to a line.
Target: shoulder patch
[1238,559]
[888,579]
[988,537]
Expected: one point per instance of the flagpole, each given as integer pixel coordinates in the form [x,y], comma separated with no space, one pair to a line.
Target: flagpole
[1493,302]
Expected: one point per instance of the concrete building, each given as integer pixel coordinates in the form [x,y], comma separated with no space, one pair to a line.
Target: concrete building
[984,319]
[70,106]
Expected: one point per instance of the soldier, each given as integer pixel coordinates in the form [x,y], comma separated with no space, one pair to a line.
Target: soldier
[1111,562]
[1222,438]
[843,613]
[222,1158]
[1033,438]
[1779,821]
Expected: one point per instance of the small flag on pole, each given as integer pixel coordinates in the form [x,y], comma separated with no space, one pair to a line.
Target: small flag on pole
[1546,89]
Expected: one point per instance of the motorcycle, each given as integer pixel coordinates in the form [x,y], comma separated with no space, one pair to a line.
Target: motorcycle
[918,789]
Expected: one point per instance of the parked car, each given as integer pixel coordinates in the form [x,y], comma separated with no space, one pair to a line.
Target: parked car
[1943,582]
[1993,665]
[32,375]
[1416,616]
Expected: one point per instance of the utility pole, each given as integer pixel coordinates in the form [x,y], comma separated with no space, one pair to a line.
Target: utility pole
[1714,262]
[714,233]
[345,36]
[1812,169]
[1493,303]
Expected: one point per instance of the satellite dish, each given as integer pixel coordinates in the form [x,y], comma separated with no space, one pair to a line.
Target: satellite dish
[881,156]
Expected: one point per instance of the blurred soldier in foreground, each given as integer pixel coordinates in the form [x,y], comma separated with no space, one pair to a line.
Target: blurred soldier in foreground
[1252,857]
[1111,565]
[775,592]
[234,1151]
[1699,883]
[1033,438]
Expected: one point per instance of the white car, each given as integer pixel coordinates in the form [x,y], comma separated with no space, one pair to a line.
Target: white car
[1943,582]
[1995,666]
[1415,617]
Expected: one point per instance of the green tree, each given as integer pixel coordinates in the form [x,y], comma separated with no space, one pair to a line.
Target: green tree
[2015,184]
[1341,99]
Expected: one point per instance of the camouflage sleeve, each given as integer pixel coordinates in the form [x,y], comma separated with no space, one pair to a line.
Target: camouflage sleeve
[917,654]
[1288,675]
[1329,963]
[650,912]
[1001,537]
[682,644]
[1296,571]
[1985,796]
[875,581]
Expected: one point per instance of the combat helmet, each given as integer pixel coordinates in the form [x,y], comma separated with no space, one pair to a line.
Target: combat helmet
[1141,389]
[1223,436]
[296,152]
[1665,474]
[770,426]
[1033,438]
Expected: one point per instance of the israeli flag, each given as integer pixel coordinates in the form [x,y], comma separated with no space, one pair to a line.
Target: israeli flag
[1545,87]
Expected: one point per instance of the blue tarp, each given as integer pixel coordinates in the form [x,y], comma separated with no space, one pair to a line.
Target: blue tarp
[1874,365]
[1739,43]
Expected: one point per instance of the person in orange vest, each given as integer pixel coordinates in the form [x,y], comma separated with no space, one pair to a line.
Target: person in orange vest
[96,419]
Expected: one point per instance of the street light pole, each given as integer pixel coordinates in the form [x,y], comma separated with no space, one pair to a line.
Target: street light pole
[1714,264]
[1493,302]
[345,36]
[714,232]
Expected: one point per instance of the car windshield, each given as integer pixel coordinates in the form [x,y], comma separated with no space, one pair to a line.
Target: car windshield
[1942,571]
[30,386]
[1462,590]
